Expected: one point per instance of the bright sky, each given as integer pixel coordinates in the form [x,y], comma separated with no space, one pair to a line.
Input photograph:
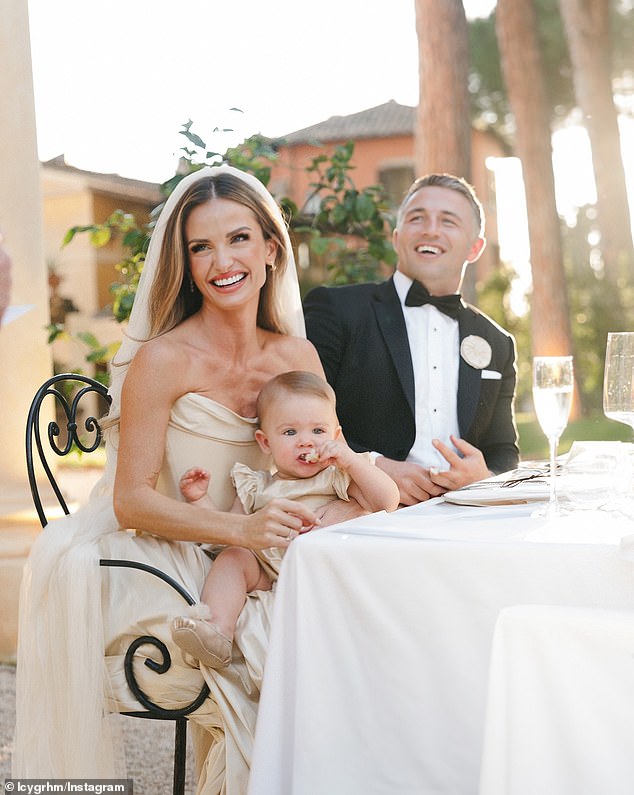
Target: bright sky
[115,81]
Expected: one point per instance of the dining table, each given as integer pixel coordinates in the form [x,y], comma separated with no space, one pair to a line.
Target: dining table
[379,677]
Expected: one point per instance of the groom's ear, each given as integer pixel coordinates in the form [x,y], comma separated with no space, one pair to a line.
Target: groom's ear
[262,440]
[479,244]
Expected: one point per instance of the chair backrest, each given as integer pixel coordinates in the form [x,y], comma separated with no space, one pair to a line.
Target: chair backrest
[76,400]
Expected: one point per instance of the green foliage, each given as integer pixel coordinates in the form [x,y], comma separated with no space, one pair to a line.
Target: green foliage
[489,101]
[488,92]
[594,427]
[349,229]
[595,309]
[252,156]
[95,352]
[596,306]
[135,239]
[594,302]
[351,232]
[556,58]
[101,234]
[344,210]
[622,35]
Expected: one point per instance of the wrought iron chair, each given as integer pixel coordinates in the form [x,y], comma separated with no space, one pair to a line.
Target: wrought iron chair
[77,428]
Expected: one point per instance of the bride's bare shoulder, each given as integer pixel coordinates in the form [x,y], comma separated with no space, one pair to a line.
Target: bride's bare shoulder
[159,355]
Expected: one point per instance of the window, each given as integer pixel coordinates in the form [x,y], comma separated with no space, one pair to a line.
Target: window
[396,181]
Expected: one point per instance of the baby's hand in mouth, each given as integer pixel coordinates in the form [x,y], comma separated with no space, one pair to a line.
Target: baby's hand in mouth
[310,456]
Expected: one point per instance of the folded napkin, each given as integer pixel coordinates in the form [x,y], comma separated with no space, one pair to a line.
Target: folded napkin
[513,488]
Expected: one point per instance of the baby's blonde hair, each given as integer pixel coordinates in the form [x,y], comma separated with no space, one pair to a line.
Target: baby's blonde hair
[294,382]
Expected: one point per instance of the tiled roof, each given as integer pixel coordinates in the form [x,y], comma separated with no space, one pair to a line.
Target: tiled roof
[383,121]
[111,183]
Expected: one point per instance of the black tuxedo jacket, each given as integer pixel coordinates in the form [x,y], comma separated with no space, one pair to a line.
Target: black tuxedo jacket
[359,332]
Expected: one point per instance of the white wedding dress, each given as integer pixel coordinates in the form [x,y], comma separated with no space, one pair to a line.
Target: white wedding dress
[72,609]
[201,433]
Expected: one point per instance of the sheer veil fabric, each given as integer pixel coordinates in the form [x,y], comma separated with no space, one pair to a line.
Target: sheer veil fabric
[63,726]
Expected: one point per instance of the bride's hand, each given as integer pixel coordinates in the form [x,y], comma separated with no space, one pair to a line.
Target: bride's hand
[278,523]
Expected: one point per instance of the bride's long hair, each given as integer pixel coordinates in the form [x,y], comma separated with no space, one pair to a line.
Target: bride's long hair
[61,599]
[173,298]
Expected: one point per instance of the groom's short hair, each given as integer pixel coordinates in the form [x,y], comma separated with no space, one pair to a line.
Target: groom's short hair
[451,182]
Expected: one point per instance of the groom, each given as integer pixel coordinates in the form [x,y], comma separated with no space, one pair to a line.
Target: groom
[423,381]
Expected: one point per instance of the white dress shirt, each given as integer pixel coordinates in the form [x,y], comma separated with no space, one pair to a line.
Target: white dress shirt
[434,342]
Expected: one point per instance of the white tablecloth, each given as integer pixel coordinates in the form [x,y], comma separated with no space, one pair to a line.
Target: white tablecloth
[377,670]
[560,713]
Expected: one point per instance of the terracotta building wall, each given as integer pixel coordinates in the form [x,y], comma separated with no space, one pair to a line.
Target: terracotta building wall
[80,274]
[290,178]
[373,157]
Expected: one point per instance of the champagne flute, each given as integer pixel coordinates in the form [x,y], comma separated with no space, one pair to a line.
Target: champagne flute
[618,379]
[552,396]
[618,397]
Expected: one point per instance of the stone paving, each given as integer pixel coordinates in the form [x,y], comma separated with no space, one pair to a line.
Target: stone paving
[149,745]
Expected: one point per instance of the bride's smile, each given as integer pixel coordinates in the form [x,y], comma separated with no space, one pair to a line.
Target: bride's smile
[227,250]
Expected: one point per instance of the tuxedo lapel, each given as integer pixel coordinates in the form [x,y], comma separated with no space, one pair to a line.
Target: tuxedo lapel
[391,323]
[469,379]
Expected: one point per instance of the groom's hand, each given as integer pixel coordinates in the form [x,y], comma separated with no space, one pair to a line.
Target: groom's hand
[463,469]
[413,481]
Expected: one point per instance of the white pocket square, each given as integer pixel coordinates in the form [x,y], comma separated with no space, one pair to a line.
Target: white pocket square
[492,375]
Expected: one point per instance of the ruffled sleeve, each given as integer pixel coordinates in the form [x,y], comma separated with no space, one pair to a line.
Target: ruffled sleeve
[248,484]
[340,483]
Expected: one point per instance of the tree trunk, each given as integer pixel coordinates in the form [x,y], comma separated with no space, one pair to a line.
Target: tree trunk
[516,30]
[443,129]
[587,26]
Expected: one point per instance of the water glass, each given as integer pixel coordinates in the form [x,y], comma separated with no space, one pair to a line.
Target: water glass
[595,475]
[618,378]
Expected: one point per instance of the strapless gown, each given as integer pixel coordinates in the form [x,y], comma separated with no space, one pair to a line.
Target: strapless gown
[201,432]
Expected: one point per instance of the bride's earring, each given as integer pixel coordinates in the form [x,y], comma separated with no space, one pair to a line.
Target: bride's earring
[271,265]
[191,283]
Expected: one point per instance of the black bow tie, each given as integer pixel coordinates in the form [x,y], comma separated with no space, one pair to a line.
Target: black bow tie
[417,295]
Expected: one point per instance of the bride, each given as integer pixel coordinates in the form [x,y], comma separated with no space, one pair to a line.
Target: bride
[217,313]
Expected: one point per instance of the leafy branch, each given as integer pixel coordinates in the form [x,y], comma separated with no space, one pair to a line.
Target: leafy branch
[349,228]
[345,210]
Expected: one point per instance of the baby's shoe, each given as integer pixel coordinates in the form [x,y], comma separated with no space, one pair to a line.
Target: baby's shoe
[203,640]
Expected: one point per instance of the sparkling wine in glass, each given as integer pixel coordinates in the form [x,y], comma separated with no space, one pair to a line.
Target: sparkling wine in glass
[618,379]
[552,396]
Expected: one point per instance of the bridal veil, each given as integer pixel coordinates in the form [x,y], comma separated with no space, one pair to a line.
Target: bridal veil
[63,726]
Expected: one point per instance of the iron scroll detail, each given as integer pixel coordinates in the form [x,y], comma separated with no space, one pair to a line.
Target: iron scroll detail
[148,640]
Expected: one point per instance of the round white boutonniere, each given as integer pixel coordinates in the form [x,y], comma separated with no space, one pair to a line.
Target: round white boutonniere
[476,351]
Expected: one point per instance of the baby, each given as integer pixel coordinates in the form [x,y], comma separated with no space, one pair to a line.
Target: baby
[299,429]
